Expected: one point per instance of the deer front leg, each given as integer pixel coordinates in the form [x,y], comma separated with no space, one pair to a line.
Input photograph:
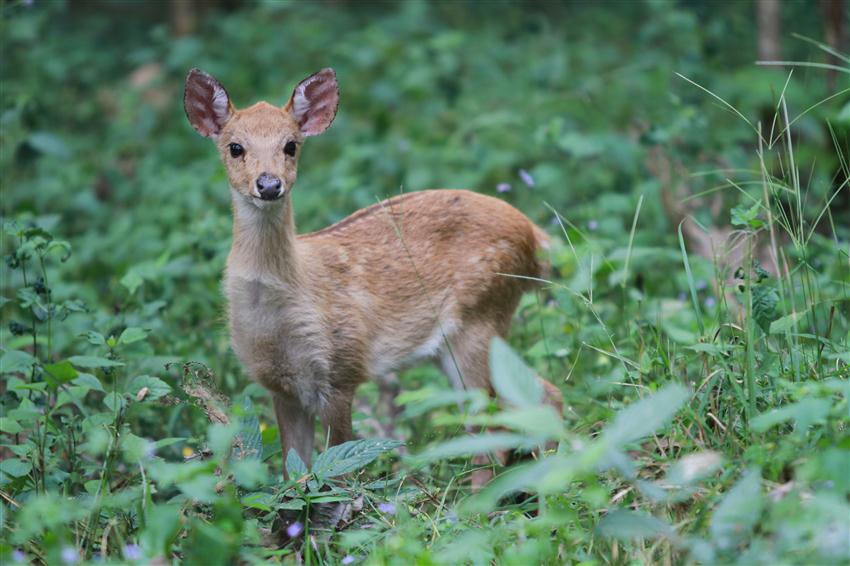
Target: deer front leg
[336,418]
[295,424]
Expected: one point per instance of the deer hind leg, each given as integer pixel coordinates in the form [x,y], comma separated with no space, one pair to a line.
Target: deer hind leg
[465,360]
[295,424]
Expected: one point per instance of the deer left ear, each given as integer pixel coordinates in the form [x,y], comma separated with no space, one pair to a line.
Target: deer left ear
[314,102]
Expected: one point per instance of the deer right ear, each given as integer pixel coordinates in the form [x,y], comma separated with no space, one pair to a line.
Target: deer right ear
[206,103]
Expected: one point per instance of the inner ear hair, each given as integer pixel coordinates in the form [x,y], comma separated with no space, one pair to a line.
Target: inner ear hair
[314,102]
[206,103]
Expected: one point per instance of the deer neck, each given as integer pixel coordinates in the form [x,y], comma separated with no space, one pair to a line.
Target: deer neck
[264,237]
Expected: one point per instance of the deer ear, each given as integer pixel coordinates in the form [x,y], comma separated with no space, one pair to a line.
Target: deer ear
[314,102]
[206,103]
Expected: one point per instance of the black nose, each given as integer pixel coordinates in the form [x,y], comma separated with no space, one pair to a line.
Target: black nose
[268,186]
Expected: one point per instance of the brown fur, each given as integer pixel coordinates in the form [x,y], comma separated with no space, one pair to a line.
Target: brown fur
[422,276]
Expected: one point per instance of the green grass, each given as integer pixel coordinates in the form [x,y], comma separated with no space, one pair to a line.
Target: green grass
[706,400]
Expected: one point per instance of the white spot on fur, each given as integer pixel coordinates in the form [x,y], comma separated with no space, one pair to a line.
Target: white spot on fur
[382,363]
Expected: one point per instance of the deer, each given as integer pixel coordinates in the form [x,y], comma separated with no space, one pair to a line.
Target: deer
[431,275]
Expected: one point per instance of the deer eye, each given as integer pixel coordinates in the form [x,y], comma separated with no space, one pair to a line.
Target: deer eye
[289,148]
[236,150]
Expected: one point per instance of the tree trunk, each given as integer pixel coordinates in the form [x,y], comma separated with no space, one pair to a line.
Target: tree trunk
[769,16]
[183,16]
[834,33]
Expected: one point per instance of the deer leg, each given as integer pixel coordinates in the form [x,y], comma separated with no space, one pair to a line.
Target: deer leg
[465,361]
[295,424]
[336,418]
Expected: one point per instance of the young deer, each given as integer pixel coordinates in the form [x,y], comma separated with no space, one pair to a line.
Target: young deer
[416,277]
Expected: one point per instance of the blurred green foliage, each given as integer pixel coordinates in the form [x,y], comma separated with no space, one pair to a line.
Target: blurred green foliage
[706,411]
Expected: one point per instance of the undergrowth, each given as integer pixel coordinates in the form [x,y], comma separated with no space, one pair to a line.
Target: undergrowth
[704,370]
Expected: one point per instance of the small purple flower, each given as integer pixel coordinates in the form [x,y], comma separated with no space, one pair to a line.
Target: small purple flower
[526,178]
[28,2]
[132,552]
[701,284]
[592,225]
[150,449]
[69,555]
[294,529]
[682,296]
[555,221]
[503,187]
[18,556]
[348,559]
[710,302]
[388,508]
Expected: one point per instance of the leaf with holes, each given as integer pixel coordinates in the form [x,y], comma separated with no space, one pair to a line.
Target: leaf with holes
[249,440]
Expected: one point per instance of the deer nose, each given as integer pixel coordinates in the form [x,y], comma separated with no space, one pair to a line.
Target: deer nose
[268,186]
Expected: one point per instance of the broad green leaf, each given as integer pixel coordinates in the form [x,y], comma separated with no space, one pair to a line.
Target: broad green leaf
[249,473]
[15,468]
[646,416]
[627,525]
[738,512]
[765,299]
[135,448]
[161,527]
[95,338]
[804,413]
[132,280]
[541,422]
[89,381]
[50,144]
[165,442]
[132,334]
[295,467]
[692,468]
[258,500]
[330,498]
[421,401]
[743,215]
[9,426]
[292,504]
[351,456]
[61,372]
[22,450]
[514,382]
[114,401]
[16,361]
[157,388]
[517,478]
[221,437]
[91,362]
[786,323]
[200,488]
[479,444]
[209,543]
